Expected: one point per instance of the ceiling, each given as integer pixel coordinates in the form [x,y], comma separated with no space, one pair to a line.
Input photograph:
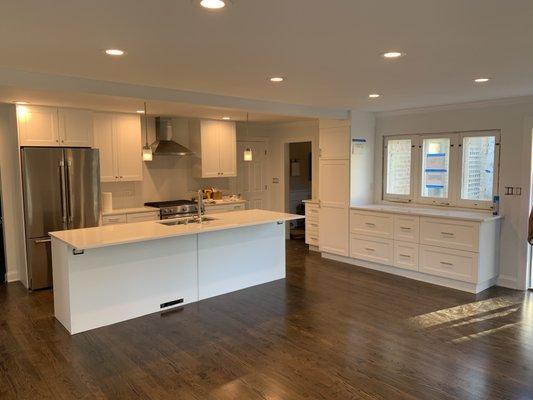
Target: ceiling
[328,49]
[131,105]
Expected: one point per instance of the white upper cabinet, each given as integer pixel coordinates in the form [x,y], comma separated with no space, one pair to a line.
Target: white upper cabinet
[51,126]
[75,127]
[215,145]
[37,126]
[334,140]
[118,137]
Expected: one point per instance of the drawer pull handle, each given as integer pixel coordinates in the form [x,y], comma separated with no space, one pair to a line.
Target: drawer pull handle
[405,228]
[316,225]
[369,249]
[370,224]
[405,255]
[447,264]
[447,234]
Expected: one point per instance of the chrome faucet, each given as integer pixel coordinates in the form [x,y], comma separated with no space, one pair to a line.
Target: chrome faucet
[200,205]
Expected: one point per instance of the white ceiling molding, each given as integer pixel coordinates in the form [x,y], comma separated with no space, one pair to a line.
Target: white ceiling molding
[458,106]
[48,82]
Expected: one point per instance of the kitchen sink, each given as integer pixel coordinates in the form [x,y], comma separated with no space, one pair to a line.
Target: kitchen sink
[185,221]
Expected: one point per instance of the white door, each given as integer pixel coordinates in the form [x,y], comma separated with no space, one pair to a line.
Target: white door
[128,142]
[227,149]
[252,178]
[75,127]
[210,149]
[334,178]
[104,142]
[37,126]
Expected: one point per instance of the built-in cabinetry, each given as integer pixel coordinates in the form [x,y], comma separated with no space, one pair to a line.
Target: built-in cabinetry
[312,223]
[224,207]
[118,137]
[215,146]
[52,127]
[462,248]
[334,186]
[128,216]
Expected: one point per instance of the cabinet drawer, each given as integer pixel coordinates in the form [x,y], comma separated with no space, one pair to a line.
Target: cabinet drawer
[372,224]
[311,225]
[453,234]
[311,211]
[449,263]
[372,249]
[406,228]
[311,238]
[215,209]
[114,219]
[406,255]
[140,217]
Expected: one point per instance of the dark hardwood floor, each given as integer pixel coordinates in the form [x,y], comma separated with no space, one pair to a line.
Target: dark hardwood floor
[329,331]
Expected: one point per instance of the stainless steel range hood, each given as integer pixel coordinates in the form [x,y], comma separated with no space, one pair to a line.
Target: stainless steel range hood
[164,145]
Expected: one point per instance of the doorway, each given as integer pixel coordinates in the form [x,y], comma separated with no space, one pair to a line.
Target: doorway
[298,181]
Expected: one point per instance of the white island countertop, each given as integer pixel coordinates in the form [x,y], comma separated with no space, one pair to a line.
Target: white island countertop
[476,216]
[112,235]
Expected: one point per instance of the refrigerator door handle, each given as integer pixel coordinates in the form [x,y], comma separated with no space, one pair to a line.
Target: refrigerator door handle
[70,202]
[63,194]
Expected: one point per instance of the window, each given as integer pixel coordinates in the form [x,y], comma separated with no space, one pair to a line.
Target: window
[478,168]
[447,169]
[398,163]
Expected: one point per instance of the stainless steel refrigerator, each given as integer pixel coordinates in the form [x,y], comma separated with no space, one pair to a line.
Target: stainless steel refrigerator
[61,191]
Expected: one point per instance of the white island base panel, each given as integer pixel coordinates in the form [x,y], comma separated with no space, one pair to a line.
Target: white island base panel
[107,285]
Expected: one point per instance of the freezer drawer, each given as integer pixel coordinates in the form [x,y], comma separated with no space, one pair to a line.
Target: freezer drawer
[39,262]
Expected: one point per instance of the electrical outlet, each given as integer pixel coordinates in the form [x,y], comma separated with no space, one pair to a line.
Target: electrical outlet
[518,191]
[275,180]
[508,190]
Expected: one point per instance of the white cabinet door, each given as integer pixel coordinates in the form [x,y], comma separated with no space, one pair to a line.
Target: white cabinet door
[227,149]
[103,141]
[334,178]
[128,142]
[210,149]
[75,127]
[37,126]
[334,235]
[335,142]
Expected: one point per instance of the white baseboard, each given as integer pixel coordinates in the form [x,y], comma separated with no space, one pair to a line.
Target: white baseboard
[507,281]
[419,276]
[12,276]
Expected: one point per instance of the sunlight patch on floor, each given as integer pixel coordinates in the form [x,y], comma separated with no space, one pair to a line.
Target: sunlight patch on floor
[469,310]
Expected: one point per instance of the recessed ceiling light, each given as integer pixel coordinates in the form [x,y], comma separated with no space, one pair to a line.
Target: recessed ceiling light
[21,102]
[481,80]
[226,118]
[213,4]
[140,111]
[392,54]
[115,52]
[374,95]
[277,79]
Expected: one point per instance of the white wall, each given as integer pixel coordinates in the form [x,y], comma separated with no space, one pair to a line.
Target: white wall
[511,117]
[12,196]
[278,136]
[362,126]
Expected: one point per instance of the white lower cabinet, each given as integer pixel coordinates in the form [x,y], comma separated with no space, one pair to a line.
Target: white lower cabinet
[141,217]
[312,223]
[450,263]
[463,251]
[406,255]
[372,249]
[114,219]
[222,208]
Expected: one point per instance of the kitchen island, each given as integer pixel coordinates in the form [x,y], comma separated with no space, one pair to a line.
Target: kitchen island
[110,274]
